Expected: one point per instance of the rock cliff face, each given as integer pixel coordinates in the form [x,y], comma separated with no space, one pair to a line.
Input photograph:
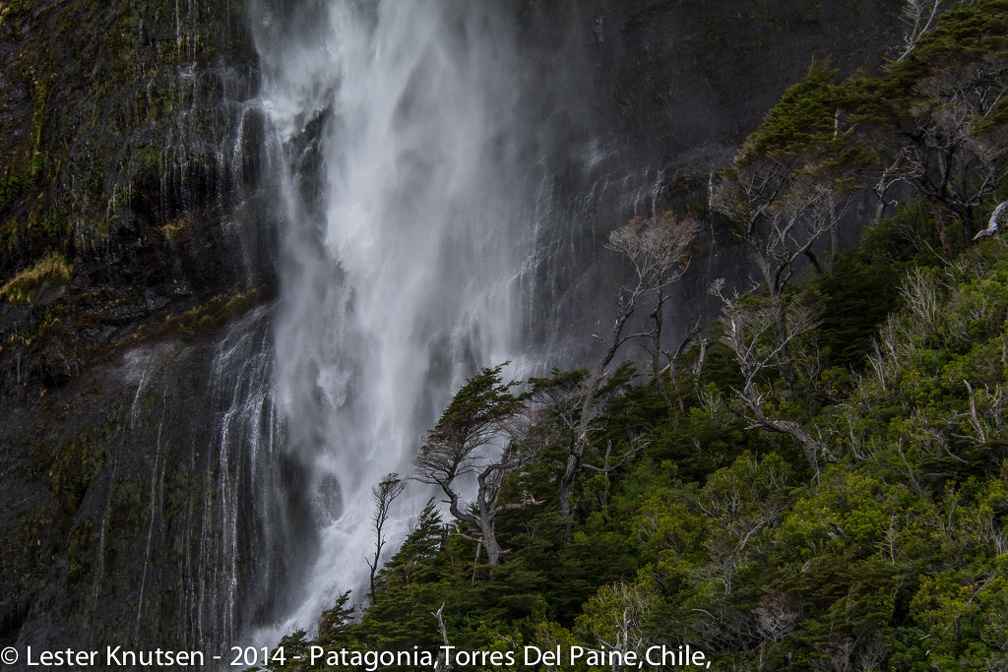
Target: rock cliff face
[677,87]
[126,151]
[684,80]
[120,129]
[134,254]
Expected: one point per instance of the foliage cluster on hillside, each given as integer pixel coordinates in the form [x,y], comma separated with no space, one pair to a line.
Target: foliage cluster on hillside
[816,481]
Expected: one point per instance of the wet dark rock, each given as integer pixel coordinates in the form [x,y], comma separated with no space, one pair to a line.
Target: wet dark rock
[118,125]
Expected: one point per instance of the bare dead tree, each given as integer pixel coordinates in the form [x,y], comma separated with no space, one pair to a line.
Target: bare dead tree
[383,494]
[888,177]
[618,618]
[629,623]
[441,664]
[994,223]
[753,334]
[781,209]
[658,249]
[777,616]
[481,415]
[919,16]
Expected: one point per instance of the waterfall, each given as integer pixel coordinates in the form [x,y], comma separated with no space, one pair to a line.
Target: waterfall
[242,521]
[437,195]
[403,231]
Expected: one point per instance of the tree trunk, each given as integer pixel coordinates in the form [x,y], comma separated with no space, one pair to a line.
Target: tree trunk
[943,236]
[566,488]
[493,549]
[969,229]
[780,324]
[810,446]
[835,246]
[656,335]
[488,539]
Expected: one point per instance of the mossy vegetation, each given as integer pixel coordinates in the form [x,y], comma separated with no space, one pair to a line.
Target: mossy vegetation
[90,107]
[203,320]
[51,270]
[110,152]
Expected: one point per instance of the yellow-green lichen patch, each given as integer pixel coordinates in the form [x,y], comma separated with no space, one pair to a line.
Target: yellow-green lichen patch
[51,269]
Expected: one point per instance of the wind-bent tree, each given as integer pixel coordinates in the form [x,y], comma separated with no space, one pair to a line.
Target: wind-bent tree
[788,188]
[939,118]
[658,250]
[335,621]
[474,437]
[383,494]
[953,156]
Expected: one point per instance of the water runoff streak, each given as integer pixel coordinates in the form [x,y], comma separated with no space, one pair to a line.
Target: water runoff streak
[407,234]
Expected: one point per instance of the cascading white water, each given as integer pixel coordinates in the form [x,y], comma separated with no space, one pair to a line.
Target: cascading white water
[402,259]
[236,557]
